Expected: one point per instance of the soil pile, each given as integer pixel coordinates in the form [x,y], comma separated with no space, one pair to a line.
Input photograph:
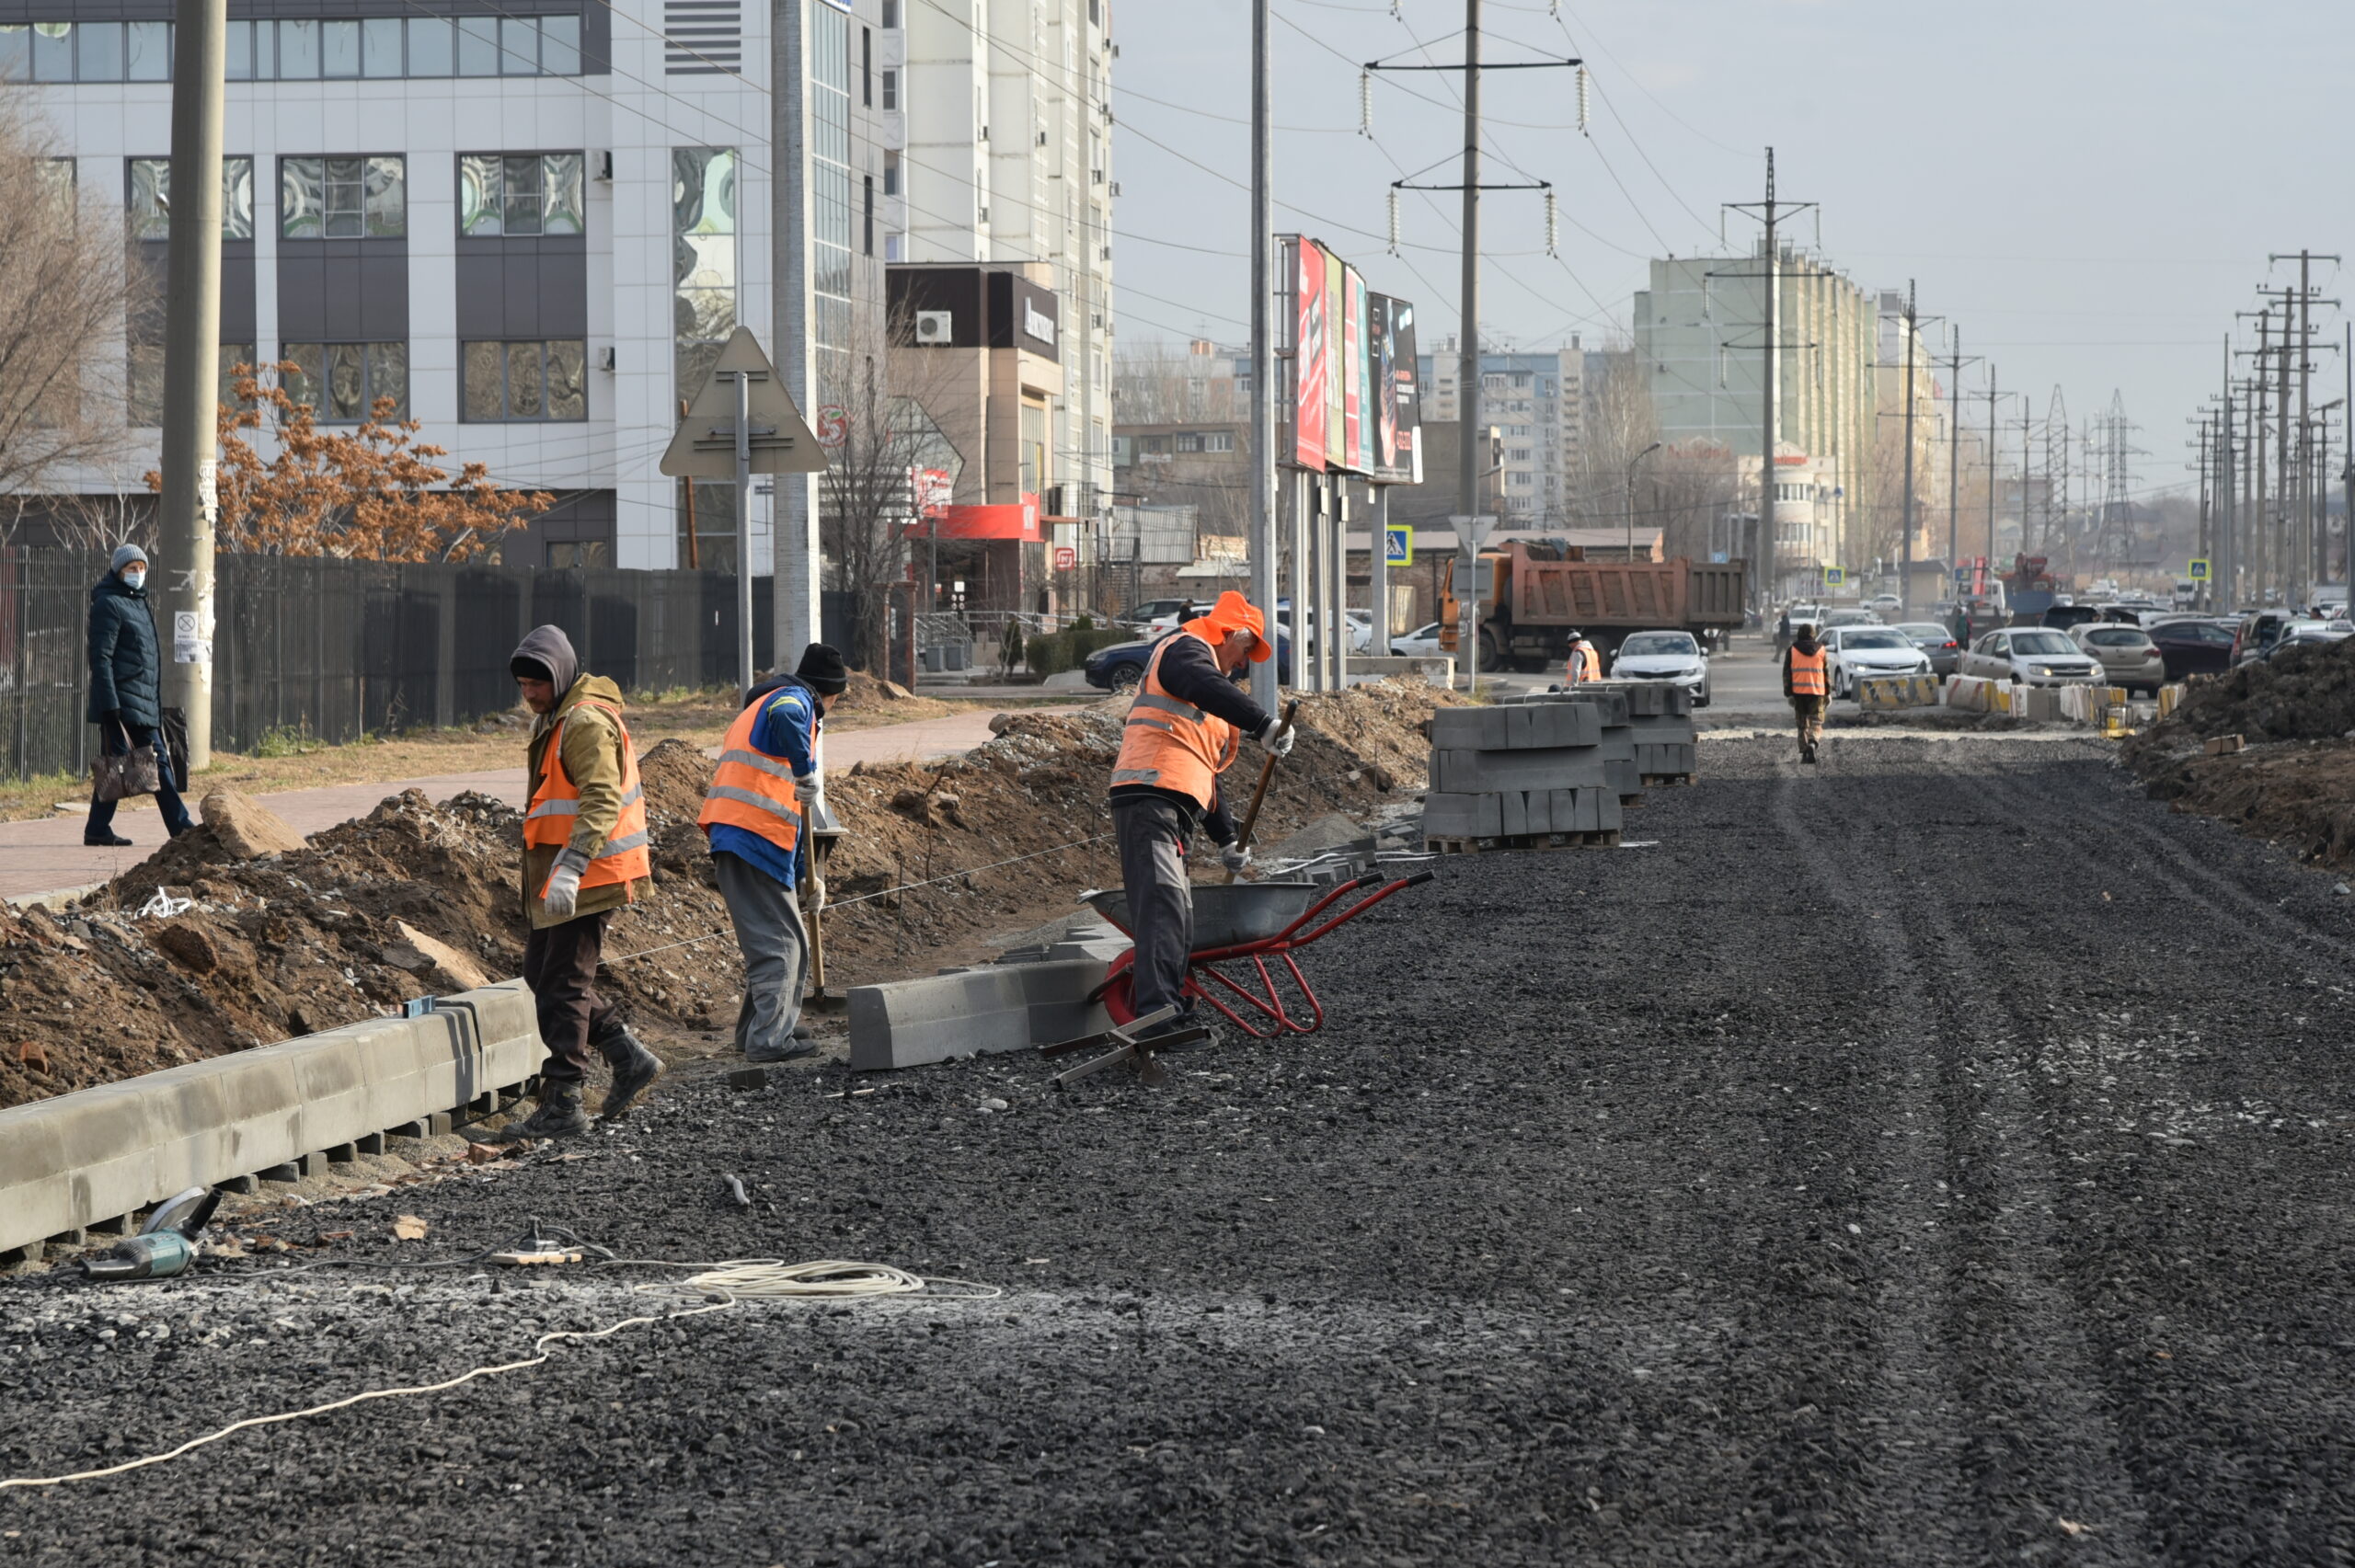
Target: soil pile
[199,951]
[2306,694]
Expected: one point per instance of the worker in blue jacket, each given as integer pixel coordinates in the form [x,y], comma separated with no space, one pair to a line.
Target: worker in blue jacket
[755,818]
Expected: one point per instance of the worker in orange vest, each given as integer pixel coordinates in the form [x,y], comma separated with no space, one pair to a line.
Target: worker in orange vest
[585,855]
[1184,729]
[754,818]
[1584,663]
[1807,681]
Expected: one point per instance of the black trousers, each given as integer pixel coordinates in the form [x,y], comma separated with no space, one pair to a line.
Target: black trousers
[561,966]
[1153,836]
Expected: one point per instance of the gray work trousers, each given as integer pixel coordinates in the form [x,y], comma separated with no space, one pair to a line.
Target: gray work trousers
[1153,835]
[776,954]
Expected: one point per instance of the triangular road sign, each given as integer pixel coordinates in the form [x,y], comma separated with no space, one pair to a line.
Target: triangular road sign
[705,447]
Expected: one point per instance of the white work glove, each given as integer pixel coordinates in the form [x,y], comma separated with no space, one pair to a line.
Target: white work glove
[805,787]
[1235,857]
[815,893]
[563,893]
[1276,736]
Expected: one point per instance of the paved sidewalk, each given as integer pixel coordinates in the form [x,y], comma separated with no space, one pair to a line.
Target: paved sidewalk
[48,856]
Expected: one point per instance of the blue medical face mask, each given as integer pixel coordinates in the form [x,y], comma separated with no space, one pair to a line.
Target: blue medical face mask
[134,580]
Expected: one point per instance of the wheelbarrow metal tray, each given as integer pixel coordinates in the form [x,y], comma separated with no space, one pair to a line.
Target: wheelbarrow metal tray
[1227,914]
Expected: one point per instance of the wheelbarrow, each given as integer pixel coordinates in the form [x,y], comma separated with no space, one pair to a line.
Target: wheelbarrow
[1243,922]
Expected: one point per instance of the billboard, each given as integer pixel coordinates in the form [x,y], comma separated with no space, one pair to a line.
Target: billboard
[1309,356]
[1354,405]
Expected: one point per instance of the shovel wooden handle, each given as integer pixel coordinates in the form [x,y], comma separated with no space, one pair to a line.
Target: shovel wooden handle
[1259,796]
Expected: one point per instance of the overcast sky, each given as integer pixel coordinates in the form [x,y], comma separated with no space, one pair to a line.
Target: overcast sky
[2089,189]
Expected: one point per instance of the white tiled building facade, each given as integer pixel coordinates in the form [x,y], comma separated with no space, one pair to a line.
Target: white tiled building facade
[533,221]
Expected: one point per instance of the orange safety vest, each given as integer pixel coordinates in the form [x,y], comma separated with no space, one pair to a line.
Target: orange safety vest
[1808,675]
[1584,664]
[548,820]
[1173,745]
[752,790]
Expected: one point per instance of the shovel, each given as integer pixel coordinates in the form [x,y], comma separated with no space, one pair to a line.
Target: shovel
[1259,796]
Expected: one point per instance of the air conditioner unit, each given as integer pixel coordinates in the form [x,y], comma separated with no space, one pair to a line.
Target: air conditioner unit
[605,165]
[606,359]
[935,326]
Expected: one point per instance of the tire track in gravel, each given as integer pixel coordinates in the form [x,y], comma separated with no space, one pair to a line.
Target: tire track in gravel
[1989,1372]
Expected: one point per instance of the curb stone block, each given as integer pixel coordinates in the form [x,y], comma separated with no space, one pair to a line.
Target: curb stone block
[993,1008]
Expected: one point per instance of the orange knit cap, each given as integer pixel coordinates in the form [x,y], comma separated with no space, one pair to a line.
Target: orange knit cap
[1233,613]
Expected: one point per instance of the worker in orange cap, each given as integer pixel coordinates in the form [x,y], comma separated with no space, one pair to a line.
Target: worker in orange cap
[1184,731]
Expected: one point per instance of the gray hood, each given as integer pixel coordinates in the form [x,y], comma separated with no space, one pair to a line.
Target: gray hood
[548,646]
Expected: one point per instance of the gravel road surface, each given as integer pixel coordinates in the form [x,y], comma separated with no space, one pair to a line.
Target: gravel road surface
[1940,1156]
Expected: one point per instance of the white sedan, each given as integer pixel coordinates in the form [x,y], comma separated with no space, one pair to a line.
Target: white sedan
[2030,655]
[1421,643]
[1854,651]
[1664,655]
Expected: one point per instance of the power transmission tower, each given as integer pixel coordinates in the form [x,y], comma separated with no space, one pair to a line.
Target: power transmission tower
[2114,523]
[2056,467]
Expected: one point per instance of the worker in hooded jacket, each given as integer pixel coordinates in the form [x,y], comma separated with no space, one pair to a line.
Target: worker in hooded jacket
[1184,729]
[585,855]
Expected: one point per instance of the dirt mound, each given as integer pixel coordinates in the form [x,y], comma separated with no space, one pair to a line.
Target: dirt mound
[2305,693]
[238,952]
[2298,795]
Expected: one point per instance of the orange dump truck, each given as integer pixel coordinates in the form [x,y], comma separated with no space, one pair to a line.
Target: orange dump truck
[1534,594]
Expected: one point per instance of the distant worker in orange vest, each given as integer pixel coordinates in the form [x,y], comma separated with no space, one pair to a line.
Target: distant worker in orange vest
[1184,728]
[1807,681]
[585,855]
[1584,663]
[756,818]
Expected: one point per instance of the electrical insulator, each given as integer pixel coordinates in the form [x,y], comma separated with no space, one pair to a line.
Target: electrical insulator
[1394,220]
[1365,103]
[1582,100]
[1553,224]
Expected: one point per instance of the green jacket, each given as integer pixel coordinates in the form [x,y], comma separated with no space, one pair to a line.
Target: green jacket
[592,761]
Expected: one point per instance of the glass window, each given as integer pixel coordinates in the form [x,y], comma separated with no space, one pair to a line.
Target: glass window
[563,210]
[145,385]
[480,209]
[513,382]
[891,89]
[380,46]
[561,46]
[342,199]
[518,41]
[265,52]
[522,178]
[477,46]
[298,50]
[519,193]
[150,198]
[343,382]
[340,49]
[891,13]
[240,51]
[101,52]
[432,45]
[15,53]
[147,51]
[53,52]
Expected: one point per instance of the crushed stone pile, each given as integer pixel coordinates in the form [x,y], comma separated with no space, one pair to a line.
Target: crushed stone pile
[201,950]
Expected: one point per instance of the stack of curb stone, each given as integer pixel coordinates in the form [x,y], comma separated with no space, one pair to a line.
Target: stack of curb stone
[1661,715]
[1617,747]
[1527,776]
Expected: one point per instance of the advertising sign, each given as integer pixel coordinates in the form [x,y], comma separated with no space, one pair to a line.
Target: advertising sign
[1309,357]
[1391,367]
[1067,559]
[1336,444]
[1353,399]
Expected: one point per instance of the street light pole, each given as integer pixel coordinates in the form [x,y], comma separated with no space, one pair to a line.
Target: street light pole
[1631,495]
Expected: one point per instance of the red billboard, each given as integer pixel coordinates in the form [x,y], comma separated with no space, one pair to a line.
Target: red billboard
[1309,357]
[1353,408]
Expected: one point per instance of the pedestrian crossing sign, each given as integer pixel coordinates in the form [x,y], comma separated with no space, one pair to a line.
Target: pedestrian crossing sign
[1834,576]
[2198,570]
[1399,544]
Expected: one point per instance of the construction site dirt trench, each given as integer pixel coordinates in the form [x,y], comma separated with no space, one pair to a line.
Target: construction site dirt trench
[200,950]
[1864,1173]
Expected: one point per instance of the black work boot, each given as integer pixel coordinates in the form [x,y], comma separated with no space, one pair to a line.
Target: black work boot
[558,1114]
[634,1070]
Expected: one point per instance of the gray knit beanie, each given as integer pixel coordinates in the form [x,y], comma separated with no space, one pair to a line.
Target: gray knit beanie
[124,553]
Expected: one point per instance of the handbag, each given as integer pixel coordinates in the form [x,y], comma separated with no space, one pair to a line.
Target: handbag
[130,772]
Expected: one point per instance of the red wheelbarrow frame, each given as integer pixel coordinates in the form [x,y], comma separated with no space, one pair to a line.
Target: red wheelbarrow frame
[1118,996]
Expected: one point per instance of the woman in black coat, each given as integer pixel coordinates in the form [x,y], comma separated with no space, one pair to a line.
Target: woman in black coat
[126,689]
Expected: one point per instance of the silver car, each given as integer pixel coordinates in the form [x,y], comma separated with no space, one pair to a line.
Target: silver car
[2030,655]
[2128,658]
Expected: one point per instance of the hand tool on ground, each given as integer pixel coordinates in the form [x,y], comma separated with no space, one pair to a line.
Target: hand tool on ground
[165,1246]
[1267,771]
[1134,1046]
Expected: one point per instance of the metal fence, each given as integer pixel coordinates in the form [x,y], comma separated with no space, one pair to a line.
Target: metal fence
[337,648]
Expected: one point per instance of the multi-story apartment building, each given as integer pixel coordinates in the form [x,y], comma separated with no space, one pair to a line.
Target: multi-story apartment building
[1003,116]
[529,224]
[1537,399]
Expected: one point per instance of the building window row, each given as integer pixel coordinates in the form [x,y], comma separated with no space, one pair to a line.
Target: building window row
[307,48]
[366,197]
[498,382]
[341,382]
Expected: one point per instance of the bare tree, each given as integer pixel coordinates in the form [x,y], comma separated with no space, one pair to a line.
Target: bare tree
[1620,422]
[67,290]
[1153,383]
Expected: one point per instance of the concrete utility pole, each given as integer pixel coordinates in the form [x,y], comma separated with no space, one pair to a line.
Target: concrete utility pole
[2225,568]
[1954,454]
[1467,395]
[1263,359]
[1770,213]
[192,363]
[1905,548]
[1993,442]
[1378,569]
[793,532]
